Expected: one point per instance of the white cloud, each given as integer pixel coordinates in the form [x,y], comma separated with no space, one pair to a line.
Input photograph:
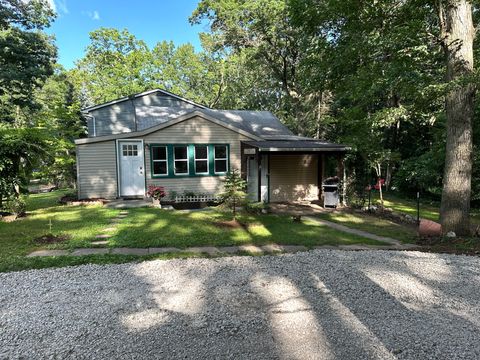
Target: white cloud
[94,15]
[61,5]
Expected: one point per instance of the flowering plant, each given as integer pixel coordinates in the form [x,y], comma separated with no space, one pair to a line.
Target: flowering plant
[156,192]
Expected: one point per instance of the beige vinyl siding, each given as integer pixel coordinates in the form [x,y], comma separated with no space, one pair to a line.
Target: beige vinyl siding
[97,170]
[200,131]
[293,177]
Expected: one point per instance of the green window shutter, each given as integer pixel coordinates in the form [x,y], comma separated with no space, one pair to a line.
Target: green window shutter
[171,163]
[211,162]
[191,159]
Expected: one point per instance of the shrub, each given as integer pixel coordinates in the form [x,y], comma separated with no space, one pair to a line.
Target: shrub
[156,192]
[234,194]
[256,207]
[16,206]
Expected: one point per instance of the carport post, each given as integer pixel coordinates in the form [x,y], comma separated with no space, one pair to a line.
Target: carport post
[341,173]
[321,174]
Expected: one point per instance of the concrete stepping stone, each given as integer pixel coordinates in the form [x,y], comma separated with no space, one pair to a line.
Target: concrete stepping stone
[108,229]
[120,216]
[272,248]
[101,242]
[229,249]
[103,236]
[130,251]
[293,248]
[210,250]
[123,212]
[90,251]
[251,249]
[48,253]
[163,250]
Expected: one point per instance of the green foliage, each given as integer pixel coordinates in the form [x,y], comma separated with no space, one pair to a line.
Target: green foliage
[233,194]
[21,150]
[26,55]
[256,207]
[16,205]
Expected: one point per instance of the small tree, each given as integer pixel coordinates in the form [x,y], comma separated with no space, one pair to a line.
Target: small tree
[234,191]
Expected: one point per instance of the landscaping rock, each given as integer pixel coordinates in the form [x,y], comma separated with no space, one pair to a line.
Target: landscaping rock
[429,228]
[450,234]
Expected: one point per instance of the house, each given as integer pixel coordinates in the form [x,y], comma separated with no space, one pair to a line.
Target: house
[159,138]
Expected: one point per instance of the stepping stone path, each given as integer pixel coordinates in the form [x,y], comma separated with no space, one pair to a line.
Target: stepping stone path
[392,244]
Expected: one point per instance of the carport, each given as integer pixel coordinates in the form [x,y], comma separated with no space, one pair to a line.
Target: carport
[290,170]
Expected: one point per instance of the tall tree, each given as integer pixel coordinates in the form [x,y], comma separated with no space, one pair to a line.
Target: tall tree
[457,35]
[26,54]
[262,32]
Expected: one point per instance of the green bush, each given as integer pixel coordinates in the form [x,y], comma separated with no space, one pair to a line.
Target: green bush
[255,207]
[16,205]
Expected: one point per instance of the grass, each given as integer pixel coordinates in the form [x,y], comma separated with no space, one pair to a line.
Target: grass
[428,209]
[145,227]
[373,225]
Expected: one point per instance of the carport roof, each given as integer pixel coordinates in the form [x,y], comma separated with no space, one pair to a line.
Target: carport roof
[310,145]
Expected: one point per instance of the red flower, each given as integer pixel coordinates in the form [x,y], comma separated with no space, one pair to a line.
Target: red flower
[156,192]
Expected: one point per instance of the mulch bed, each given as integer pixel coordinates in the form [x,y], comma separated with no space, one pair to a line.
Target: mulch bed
[51,239]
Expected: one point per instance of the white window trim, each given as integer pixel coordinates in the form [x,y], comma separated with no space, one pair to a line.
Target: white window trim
[215,159]
[165,161]
[187,160]
[206,159]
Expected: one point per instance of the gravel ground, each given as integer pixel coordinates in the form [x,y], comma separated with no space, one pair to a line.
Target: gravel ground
[323,304]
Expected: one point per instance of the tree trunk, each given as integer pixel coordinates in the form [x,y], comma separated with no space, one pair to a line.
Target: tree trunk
[458,34]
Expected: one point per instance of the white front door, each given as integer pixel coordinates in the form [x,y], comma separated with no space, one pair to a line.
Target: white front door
[132,178]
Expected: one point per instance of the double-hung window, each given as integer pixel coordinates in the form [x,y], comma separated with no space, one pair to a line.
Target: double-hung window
[180,159]
[159,161]
[220,159]
[201,159]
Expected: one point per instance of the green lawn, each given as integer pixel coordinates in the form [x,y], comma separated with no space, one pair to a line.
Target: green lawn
[373,225]
[148,227]
[428,209]
[145,227]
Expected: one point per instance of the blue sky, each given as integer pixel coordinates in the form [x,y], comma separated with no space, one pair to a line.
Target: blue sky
[151,21]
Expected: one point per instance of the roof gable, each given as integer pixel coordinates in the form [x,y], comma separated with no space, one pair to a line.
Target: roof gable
[144,94]
[165,125]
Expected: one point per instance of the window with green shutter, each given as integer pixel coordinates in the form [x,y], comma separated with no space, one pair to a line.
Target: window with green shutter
[189,160]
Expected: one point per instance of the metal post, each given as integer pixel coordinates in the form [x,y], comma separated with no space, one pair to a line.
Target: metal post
[369,197]
[418,207]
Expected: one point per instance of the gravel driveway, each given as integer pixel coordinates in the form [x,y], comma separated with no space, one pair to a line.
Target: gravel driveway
[323,304]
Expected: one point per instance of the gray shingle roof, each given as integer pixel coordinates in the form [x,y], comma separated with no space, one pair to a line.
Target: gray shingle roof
[297,145]
[260,123]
